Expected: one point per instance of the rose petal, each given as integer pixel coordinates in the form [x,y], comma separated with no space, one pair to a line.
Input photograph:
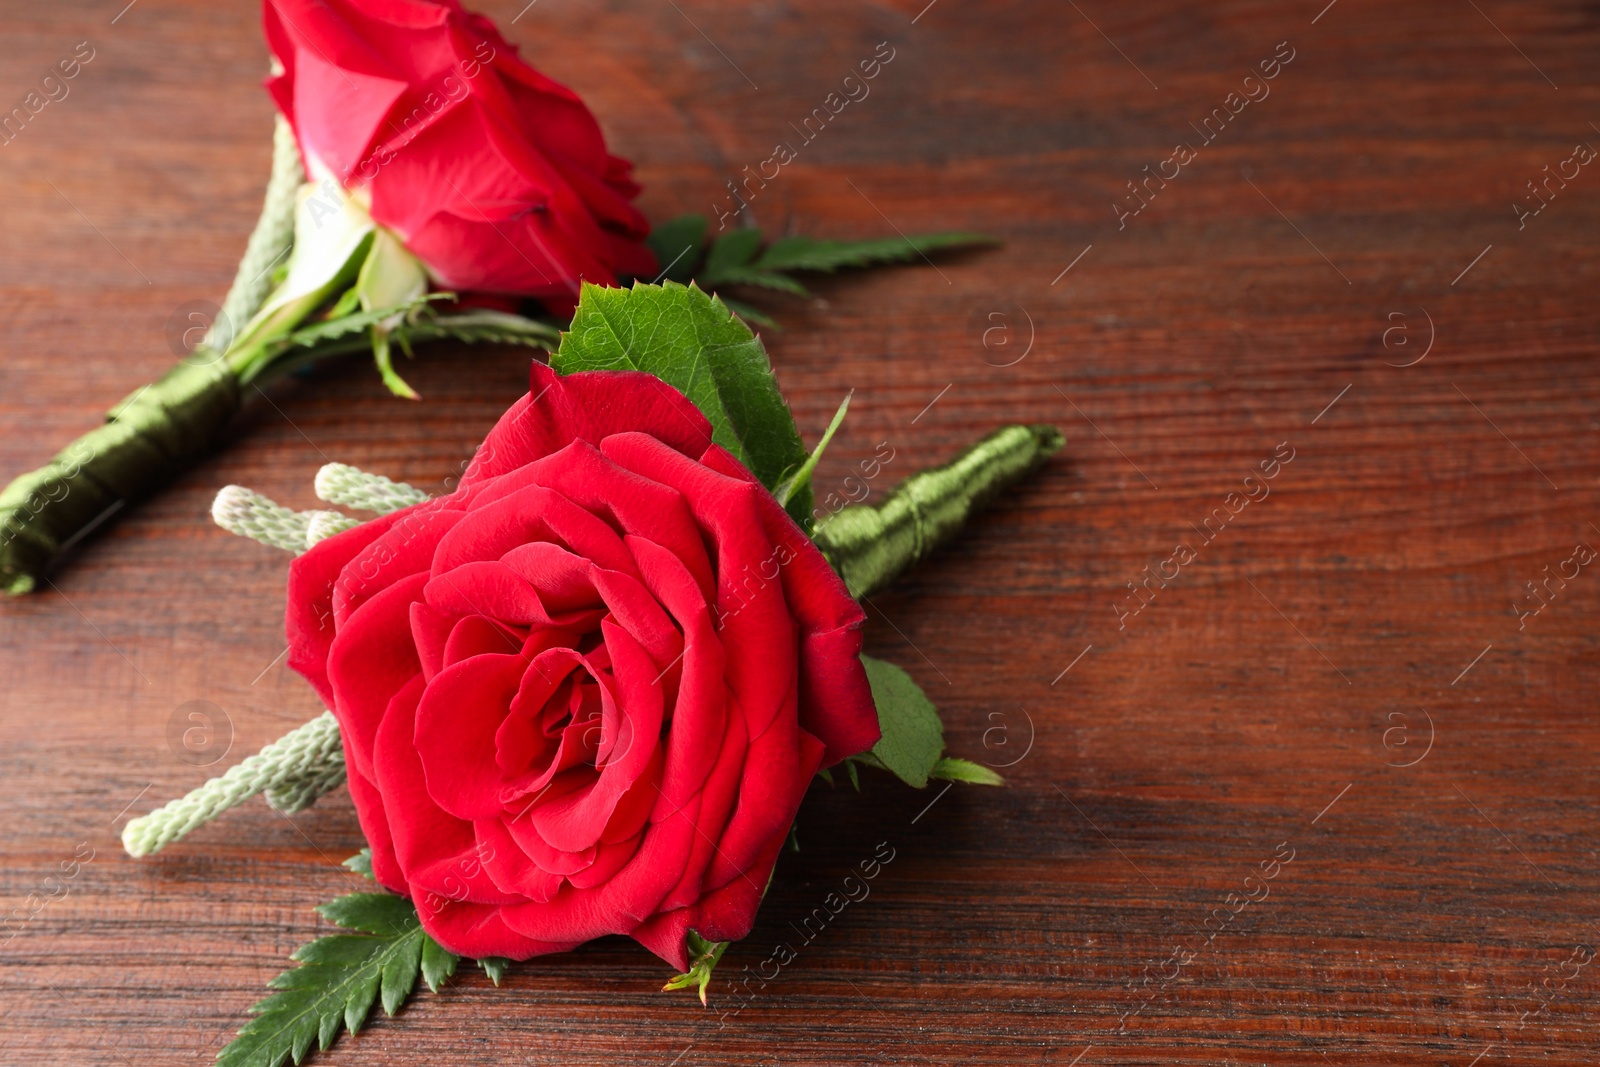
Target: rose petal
[757,632]
[836,702]
[478,931]
[404,549]
[309,618]
[576,821]
[564,582]
[438,852]
[586,407]
[370,660]
[699,719]
[456,722]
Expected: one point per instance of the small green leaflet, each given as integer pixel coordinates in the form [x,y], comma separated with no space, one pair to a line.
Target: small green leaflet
[341,976]
[913,736]
[737,257]
[694,343]
[361,862]
[825,257]
[733,259]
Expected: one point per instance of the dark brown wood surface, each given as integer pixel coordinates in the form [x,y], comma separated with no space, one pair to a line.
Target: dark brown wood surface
[1340,674]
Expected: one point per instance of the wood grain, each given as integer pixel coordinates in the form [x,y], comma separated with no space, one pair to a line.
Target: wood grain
[1266,696]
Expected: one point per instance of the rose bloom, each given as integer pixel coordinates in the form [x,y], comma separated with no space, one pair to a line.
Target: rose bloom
[493,175]
[584,693]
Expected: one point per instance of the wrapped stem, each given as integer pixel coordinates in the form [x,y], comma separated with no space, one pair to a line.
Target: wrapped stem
[158,430]
[145,440]
[870,546]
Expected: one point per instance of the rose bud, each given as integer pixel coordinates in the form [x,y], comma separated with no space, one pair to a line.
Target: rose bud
[435,154]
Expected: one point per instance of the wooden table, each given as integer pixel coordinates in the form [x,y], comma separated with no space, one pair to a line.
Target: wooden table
[1348,671]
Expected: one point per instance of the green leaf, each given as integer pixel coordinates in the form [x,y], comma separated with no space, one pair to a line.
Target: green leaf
[913,736]
[341,976]
[804,253]
[732,250]
[692,342]
[361,862]
[338,980]
[951,769]
[676,244]
[703,958]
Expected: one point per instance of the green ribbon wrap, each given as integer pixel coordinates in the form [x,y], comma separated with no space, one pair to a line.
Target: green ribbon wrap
[161,428]
[871,545]
[144,441]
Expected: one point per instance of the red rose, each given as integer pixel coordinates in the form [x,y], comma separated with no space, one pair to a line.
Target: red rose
[493,175]
[584,693]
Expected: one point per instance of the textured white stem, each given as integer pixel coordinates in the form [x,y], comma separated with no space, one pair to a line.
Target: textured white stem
[249,514]
[269,243]
[290,768]
[352,487]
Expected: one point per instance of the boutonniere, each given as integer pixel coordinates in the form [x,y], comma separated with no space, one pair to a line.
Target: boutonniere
[586,691]
[427,184]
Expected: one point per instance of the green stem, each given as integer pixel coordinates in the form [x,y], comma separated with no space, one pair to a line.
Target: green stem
[156,431]
[145,440]
[872,545]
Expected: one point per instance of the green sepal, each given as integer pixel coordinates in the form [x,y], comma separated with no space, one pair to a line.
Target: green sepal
[495,968]
[691,341]
[346,304]
[799,482]
[381,356]
[703,958]
[361,862]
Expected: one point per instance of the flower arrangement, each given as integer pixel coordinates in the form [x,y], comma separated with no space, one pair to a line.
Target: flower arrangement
[427,184]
